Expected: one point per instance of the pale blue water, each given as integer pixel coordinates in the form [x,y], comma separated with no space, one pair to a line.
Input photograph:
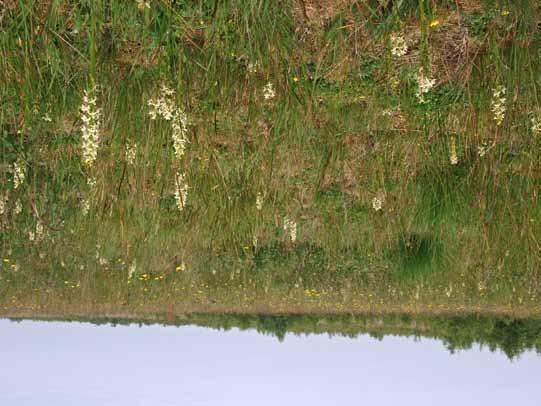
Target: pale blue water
[72,364]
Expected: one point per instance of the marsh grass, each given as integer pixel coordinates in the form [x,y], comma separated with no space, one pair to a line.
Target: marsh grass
[345,126]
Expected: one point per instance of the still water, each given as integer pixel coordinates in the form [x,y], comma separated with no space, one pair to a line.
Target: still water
[61,364]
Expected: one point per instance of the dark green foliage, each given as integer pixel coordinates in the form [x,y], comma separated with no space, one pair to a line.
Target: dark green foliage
[416,253]
[309,259]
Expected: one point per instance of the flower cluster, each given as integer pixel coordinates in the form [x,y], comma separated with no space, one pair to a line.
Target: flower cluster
[3,202]
[252,67]
[482,150]
[182,267]
[85,204]
[181,190]
[424,85]
[19,173]
[180,131]
[290,227]
[259,201]
[91,182]
[453,157]
[90,116]
[142,4]
[449,290]
[36,236]
[18,207]
[536,125]
[131,152]
[398,46]
[498,104]
[268,91]
[101,259]
[163,105]
[377,203]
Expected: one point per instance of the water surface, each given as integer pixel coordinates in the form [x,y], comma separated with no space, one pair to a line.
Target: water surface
[58,363]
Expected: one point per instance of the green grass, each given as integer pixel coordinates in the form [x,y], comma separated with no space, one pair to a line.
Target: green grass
[344,127]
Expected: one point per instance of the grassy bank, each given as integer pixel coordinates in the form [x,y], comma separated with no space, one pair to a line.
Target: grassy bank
[270,156]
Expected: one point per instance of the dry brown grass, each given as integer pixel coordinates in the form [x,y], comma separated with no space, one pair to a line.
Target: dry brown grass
[453,50]
[320,11]
[133,53]
[249,304]
[6,6]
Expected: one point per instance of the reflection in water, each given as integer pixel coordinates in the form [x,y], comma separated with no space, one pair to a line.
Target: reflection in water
[82,364]
[511,336]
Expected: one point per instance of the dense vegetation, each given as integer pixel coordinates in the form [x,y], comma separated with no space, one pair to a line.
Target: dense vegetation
[270,156]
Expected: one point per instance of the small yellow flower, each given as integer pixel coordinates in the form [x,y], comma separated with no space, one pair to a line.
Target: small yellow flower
[295,79]
[434,23]
[505,13]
